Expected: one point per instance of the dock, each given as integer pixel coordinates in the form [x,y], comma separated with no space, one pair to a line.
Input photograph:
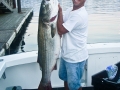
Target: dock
[11,24]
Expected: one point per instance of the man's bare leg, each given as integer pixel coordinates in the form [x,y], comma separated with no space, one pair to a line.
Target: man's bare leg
[66,85]
[80,88]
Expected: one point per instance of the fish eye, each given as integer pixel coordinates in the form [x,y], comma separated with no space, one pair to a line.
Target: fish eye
[43,5]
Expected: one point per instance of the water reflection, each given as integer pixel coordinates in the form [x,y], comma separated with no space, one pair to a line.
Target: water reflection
[30,37]
[92,6]
[108,33]
[22,45]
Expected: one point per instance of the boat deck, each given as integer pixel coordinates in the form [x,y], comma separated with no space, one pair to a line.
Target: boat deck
[59,88]
[84,88]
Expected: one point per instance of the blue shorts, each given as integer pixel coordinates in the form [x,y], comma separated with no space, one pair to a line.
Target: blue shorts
[72,73]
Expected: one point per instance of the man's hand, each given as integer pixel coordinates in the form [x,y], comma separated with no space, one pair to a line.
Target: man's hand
[59,8]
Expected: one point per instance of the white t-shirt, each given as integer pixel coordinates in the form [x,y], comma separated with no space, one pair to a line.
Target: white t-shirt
[74,42]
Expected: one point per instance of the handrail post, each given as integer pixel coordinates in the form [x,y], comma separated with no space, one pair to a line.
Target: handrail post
[14,3]
[19,6]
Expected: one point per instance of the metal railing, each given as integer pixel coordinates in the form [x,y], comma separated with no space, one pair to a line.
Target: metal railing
[12,3]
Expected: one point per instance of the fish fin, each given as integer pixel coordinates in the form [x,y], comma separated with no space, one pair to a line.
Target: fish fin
[55,67]
[38,60]
[53,30]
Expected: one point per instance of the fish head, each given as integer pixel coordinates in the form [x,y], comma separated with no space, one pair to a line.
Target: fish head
[49,10]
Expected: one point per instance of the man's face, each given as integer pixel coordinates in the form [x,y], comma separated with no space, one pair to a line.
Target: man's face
[78,3]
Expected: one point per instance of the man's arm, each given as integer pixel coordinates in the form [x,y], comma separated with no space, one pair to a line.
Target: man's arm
[60,27]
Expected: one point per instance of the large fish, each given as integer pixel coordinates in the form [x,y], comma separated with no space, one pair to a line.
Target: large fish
[48,41]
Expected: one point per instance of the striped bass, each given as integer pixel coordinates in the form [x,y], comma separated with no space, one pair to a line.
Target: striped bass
[48,41]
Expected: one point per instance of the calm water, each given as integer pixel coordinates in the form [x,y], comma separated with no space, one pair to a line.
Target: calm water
[29,41]
[92,6]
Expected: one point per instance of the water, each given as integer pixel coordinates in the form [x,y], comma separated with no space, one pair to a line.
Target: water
[103,6]
[94,7]
[112,71]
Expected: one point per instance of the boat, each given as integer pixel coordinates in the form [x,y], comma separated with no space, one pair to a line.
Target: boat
[22,69]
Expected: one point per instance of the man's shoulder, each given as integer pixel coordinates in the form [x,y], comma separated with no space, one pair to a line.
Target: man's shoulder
[82,12]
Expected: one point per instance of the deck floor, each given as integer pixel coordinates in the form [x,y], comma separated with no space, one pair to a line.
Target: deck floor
[84,88]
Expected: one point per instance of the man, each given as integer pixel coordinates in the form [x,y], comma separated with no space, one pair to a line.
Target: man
[73,29]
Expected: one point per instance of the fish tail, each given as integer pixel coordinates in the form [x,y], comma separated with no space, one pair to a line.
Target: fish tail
[45,87]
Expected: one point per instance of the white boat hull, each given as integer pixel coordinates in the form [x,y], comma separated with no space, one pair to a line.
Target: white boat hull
[23,69]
